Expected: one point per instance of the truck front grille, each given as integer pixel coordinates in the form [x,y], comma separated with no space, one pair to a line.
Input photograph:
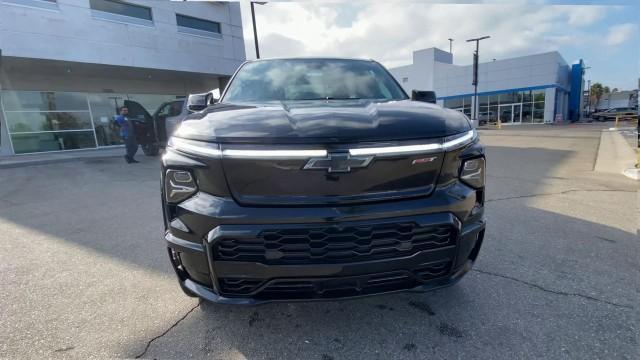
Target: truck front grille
[333,287]
[334,244]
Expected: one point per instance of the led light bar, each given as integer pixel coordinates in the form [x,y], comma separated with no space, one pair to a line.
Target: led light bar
[459,141]
[393,150]
[195,147]
[273,154]
[212,150]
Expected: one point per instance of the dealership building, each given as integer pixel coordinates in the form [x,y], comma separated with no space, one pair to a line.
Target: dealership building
[67,65]
[539,88]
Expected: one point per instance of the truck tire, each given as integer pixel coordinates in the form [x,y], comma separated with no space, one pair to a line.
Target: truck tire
[151,149]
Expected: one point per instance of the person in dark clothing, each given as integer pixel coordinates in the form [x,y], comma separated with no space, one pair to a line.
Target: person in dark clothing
[128,134]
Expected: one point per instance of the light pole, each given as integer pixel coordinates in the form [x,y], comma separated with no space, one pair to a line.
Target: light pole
[584,70]
[474,114]
[450,45]
[589,97]
[253,19]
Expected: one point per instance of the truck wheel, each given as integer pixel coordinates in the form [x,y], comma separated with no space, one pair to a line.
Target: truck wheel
[151,149]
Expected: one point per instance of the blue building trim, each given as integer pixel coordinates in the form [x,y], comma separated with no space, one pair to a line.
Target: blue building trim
[575,95]
[539,87]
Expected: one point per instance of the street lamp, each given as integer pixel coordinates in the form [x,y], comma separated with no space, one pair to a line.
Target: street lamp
[450,45]
[474,114]
[255,32]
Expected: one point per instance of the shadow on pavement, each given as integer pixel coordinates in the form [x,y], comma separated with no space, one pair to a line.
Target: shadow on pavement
[115,209]
[535,292]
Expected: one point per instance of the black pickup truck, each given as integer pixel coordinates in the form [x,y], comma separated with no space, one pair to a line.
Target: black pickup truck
[319,179]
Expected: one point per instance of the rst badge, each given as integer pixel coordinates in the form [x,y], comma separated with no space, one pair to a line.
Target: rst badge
[338,163]
[423,160]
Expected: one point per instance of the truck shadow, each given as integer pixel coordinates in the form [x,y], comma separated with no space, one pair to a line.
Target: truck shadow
[521,298]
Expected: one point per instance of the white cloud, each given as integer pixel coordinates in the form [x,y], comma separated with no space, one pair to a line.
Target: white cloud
[391,31]
[620,33]
[586,15]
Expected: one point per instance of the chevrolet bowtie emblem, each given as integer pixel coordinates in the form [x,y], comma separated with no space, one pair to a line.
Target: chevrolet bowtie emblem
[338,163]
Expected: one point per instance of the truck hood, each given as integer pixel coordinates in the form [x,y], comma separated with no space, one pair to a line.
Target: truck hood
[332,121]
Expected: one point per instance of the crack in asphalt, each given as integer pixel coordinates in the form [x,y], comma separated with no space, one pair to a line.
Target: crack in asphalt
[146,348]
[559,193]
[539,287]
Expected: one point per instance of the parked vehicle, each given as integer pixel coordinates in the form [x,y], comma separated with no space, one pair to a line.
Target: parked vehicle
[487,117]
[317,179]
[611,114]
[152,131]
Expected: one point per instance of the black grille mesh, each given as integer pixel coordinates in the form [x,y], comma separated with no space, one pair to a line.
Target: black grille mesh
[333,287]
[334,244]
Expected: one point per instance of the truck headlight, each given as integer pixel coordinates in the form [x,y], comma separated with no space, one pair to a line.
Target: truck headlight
[179,185]
[473,172]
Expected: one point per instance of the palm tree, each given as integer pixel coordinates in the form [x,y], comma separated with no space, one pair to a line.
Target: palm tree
[597,90]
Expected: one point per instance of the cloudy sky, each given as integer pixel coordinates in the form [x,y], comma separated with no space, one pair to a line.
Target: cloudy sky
[604,35]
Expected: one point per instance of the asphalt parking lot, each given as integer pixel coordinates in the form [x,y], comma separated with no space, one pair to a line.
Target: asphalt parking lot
[85,271]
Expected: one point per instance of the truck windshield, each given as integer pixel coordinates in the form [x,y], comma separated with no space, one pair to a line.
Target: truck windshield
[312,79]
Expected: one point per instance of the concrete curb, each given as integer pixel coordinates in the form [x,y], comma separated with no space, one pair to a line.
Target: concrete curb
[632,173]
[19,161]
[615,156]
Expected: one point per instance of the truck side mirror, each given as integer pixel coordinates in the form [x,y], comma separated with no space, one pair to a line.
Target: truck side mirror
[215,96]
[197,102]
[424,96]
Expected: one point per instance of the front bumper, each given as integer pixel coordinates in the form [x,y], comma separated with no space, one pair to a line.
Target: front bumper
[202,272]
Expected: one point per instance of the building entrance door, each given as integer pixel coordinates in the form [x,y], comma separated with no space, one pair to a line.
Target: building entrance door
[517,113]
[510,114]
[505,113]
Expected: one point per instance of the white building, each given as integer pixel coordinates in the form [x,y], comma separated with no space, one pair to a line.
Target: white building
[529,89]
[66,65]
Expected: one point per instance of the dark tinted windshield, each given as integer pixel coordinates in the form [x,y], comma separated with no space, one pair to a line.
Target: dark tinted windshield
[312,79]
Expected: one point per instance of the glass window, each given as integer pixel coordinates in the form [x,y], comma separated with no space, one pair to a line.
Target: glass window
[150,102]
[506,98]
[538,95]
[43,101]
[538,112]
[197,24]
[517,97]
[312,79]
[32,121]
[453,103]
[173,108]
[527,113]
[103,109]
[52,141]
[526,96]
[493,99]
[122,8]
[483,100]
[510,98]
[493,113]
[43,4]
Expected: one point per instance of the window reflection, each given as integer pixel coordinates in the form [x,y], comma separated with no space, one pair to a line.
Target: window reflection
[52,141]
[20,122]
[103,109]
[310,79]
[40,121]
[511,107]
[43,101]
